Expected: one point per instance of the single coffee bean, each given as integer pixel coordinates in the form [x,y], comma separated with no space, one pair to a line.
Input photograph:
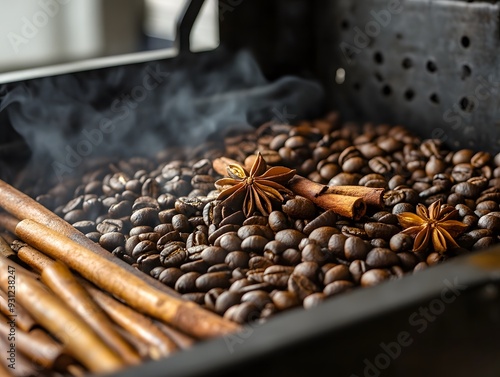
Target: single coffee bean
[300,208]
[401,242]
[338,286]
[490,222]
[313,300]
[381,257]
[199,266]
[301,286]
[314,253]
[339,272]
[336,245]
[237,259]
[380,230]
[327,218]
[226,300]
[113,240]
[254,243]
[291,257]
[259,262]
[242,313]
[322,235]
[277,275]
[374,277]
[211,280]
[85,226]
[259,298]
[355,248]
[307,269]
[187,282]
[285,299]
[290,237]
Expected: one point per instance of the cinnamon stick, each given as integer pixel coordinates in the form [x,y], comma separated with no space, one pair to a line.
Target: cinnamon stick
[344,205]
[37,345]
[187,316]
[32,257]
[135,323]
[60,280]
[21,206]
[50,312]
[370,195]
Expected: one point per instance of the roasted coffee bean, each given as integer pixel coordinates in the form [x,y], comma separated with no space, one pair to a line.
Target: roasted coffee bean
[490,222]
[255,230]
[322,235]
[211,280]
[74,216]
[408,260]
[380,230]
[145,216]
[214,255]
[226,300]
[483,243]
[259,262]
[277,275]
[93,236]
[253,243]
[211,298]
[351,231]
[276,247]
[187,282]
[142,247]
[256,220]
[401,242]
[307,269]
[386,217]
[374,277]
[181,223]
[146,263]
[327,218]
[284,299]
[236,218]
[402,207]
[336,245]
[149,236]
[196,297]
[289,237]
[173,255]
[300,208]
[467,189]
[356,269]
[355,248]
[380,165]
[229,241]
[221,231]
[258,297]
[381,257]
[113,240]
[462,172]
[85,226]
[199,266]
[242,313]
[480,159]
[314,253]
[338,272]
[291,257]
[313,300]
[237,259]
[301,286]
[338,286]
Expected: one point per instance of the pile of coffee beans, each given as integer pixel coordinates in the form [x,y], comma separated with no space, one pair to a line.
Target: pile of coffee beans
[161,215]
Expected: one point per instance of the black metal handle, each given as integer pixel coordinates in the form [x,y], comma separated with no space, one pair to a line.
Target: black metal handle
[185,24]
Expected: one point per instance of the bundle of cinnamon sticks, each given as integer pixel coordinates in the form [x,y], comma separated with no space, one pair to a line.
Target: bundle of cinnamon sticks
[76,307]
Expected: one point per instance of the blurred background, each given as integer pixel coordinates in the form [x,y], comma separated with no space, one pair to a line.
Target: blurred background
[37,33]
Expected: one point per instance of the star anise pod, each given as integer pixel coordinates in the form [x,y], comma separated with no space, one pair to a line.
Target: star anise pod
[434,225]
[254,189]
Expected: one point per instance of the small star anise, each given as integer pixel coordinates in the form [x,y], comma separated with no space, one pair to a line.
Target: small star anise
[434,224]
[254,189]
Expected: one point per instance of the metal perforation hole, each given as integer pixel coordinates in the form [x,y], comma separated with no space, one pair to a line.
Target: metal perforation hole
[344,24]
[434,98]
[466,105]
[409,94]
[431,66]
[379,77]
[465,41]
[399,36]
[378,57]
[386,90]
[356,86]
[466,71]
[407,63]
